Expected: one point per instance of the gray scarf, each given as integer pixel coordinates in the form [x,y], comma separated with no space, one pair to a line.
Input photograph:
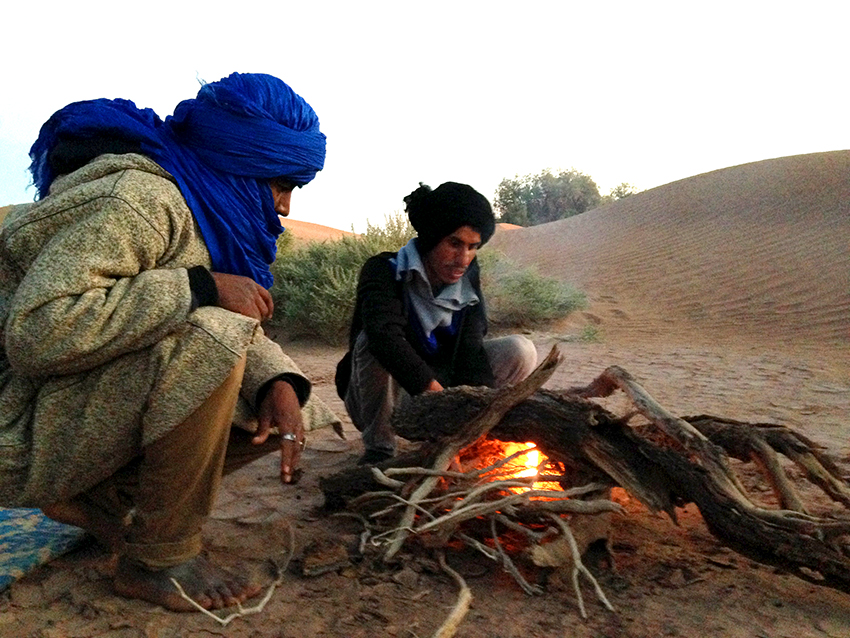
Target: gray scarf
[432,312]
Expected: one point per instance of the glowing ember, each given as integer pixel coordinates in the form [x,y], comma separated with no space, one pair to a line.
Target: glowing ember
[529,463]
[526,465]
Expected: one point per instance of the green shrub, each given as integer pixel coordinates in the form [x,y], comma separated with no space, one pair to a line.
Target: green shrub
[394,234]
[590,334]
[316,283]
[519,296]
[285,243]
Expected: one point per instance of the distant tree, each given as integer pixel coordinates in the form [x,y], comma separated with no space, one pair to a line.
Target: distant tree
[511,202]
[621,191]
[545,197]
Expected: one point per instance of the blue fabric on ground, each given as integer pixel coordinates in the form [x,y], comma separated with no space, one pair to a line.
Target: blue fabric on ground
[29,539]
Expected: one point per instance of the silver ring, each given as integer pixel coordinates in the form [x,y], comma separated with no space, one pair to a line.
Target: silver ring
[288,436]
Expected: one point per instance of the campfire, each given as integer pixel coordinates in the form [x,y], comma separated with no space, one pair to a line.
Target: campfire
[494,466]
[511,486]
[511,461]
[498,498]
[501,487]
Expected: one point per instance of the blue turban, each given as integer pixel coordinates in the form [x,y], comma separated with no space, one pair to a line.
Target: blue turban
[221,147]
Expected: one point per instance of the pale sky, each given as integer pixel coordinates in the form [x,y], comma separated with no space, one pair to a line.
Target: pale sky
[467,91]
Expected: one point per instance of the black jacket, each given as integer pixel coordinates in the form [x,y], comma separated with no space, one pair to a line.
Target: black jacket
[380,311]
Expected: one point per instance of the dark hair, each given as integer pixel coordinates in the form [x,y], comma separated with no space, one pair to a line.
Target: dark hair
[437,213]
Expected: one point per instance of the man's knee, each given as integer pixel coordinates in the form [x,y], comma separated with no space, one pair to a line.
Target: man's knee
[512,358]
[526,355]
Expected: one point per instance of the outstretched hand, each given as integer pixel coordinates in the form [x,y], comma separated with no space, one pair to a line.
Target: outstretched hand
[280,409]
[243,295]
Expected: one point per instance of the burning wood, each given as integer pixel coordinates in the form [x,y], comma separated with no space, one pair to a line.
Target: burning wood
[460,481]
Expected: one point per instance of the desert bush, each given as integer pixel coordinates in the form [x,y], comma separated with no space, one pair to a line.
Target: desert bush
[316,283]
[394,234]
[285,243]
[519,296]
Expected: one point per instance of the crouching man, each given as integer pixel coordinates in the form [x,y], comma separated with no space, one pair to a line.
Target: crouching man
[131,297]
[420,320]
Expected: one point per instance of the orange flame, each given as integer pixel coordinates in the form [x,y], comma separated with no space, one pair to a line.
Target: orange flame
[526,464]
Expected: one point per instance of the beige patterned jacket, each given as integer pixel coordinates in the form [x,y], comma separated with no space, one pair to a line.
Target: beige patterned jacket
[101,353]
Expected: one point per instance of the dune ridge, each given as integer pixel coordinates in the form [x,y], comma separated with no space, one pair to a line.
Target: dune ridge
[756,250]
[308,231]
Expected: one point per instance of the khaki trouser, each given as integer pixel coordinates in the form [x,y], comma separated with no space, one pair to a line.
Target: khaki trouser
[373,394]
[178,480]
[174,484]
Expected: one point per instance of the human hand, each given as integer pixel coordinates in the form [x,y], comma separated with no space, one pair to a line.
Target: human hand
[280,408]
[243,295]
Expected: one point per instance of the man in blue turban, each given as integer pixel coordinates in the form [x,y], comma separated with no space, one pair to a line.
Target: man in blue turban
[132,293]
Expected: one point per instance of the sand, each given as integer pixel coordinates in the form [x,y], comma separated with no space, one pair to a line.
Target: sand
[755,252]
[307,231]
[727,293]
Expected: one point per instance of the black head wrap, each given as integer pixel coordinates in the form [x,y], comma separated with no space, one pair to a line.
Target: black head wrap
[437,213]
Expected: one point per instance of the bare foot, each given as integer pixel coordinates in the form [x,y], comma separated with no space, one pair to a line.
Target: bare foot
[108,530]
[208,585]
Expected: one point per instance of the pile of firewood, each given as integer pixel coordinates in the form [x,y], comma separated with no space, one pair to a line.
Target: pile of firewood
[427,495]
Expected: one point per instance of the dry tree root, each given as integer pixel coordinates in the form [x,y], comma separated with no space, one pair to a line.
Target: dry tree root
[477,495]
[464,600]
[760,443]
[813,548]
[686,460]
[579,568]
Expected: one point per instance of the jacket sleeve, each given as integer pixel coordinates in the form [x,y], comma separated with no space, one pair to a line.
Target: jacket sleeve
[382,313]
[95,291]
[266,362]
[472,367]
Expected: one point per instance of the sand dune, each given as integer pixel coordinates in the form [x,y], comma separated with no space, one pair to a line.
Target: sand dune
[758,250]
[308,231]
